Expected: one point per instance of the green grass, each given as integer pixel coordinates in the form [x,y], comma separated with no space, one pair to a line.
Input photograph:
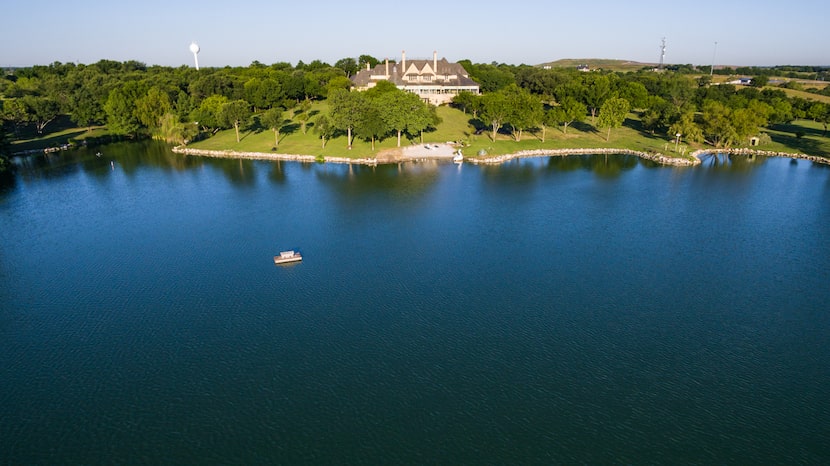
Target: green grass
[293,141]
[813,142]
[595,63]
[456,126]
[804,95]
[57,133]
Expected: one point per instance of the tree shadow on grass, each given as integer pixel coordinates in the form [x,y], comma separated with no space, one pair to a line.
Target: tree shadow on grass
[46,142]
[637,125]
[290,128]
[805,145]
[793,128]
[584,127]
[479,125]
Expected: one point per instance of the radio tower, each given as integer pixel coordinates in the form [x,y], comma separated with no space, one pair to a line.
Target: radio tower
[662,54]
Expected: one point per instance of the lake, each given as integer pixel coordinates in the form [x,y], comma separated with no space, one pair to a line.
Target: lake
[585,309]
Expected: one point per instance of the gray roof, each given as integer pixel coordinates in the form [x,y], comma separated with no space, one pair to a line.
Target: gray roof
[444,68]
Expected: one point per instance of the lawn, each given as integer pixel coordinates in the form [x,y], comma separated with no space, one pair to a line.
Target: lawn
[457,126]
[804,95]
[813,141]
[57,133]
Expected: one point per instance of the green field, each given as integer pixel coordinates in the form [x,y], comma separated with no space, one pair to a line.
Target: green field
[57,133]
[457,126]
[600,63]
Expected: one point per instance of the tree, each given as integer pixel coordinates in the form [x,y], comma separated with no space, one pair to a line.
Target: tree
[234,113]
[658,115]
[348,65]
[759,81]
[382,87]
[525,110]
[782,111]
[263,93]
[273,119]
[151,108]
[86,110]
[207,115]
[324,128]
[717,124]
[41,111]
[120,115]
[824,117]
[344,110]
[494,110]
[302,114]
[425,117]
[364,59]
[687,128]
[338,82]
[635,93]
[492,78]
[175,131]
[468,101]
[596,90]
[370,124]
[612,114]
[401,111]
[550,117]
[746,123]
[15,111]
[572,111]
[679,89]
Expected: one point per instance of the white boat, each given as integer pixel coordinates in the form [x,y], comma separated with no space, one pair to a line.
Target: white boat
[288,256]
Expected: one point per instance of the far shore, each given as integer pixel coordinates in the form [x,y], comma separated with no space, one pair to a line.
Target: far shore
[401,155]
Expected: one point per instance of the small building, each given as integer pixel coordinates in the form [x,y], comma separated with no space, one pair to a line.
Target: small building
[435,81]
[584,68]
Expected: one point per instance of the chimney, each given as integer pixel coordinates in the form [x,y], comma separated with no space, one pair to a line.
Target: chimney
[435,61]
[387,68]
[367,66]
[403,61]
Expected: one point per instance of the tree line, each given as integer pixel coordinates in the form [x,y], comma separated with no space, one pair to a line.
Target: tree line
[181,104]
[667,103]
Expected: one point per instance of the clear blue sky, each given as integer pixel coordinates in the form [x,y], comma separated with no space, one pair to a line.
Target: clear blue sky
[531,31]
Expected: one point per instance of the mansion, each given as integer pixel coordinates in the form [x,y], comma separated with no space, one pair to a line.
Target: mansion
[435,81]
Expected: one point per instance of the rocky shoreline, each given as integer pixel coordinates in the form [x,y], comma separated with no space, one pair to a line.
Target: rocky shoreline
[230,154]
[812,158]
[654,157]
[690,161]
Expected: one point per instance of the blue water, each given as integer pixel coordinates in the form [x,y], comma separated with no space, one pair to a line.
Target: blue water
[550,310]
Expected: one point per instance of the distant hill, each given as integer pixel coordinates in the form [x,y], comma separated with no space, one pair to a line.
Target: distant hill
[593,63]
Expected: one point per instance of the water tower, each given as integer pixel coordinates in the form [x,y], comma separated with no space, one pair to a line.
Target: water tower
[662,54]
[194,47]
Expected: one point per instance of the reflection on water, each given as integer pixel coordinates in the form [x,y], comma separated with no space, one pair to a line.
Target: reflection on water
[583,309]
[388,179]
[129,157]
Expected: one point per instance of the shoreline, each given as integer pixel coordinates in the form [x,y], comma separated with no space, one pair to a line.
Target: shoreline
[498,159]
